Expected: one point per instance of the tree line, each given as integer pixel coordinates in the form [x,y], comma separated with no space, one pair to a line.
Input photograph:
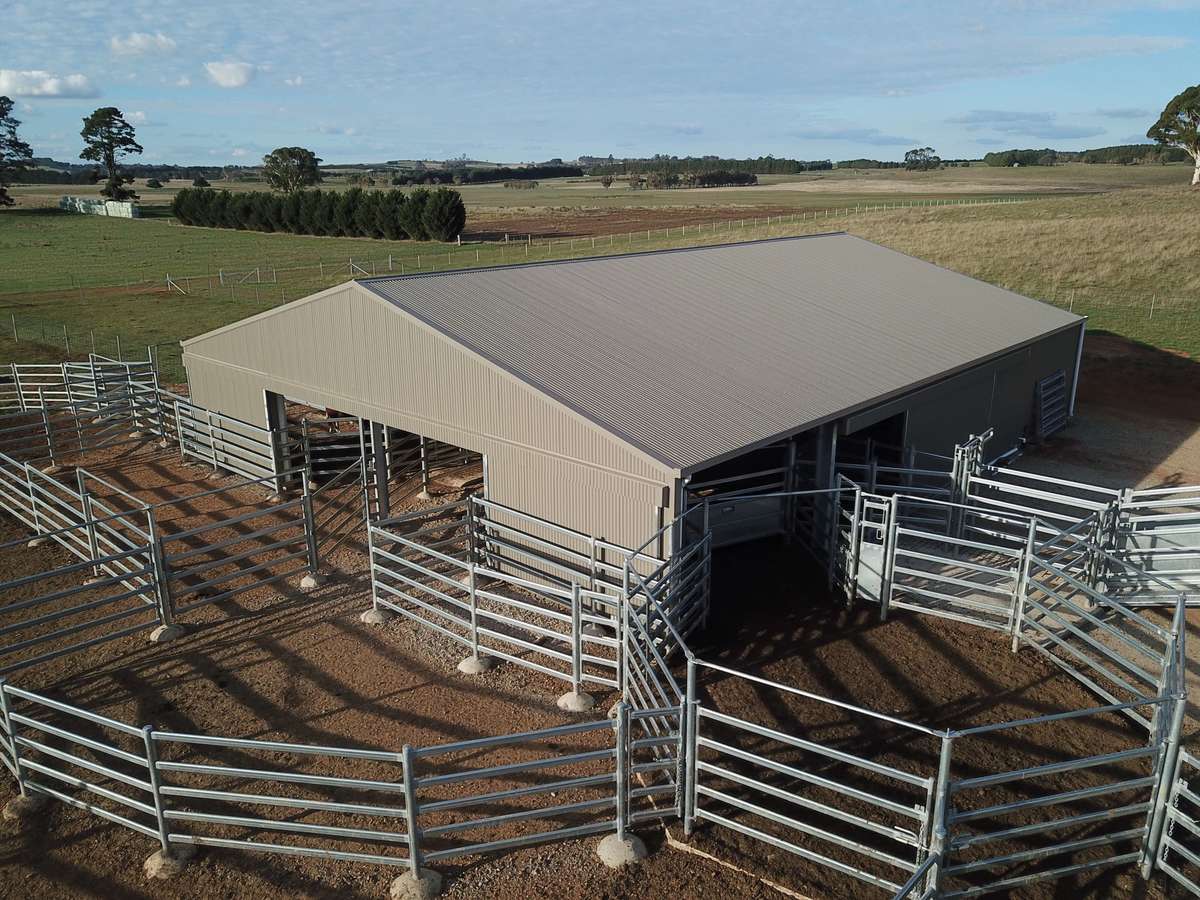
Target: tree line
[659,181]
[1123,154]
[687,165]
[423,215]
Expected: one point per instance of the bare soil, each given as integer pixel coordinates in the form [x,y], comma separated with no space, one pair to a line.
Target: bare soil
[277,663]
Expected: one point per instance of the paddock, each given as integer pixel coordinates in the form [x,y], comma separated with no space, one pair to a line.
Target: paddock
[995,570]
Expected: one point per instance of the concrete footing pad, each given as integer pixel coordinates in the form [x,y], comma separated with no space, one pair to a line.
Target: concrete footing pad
[164,444]
[477,665]
[424,886]
[25,808]
[311,582]
[616,853]
[95,579]
[165,633]
[595,629]
[576,702]
[162,865]
[37,542]
[374,616]
[137,435]
[614,710]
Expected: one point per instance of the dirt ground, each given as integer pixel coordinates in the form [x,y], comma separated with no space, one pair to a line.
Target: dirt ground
[276,663]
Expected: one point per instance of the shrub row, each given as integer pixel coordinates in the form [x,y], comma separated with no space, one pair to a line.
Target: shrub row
[422,215]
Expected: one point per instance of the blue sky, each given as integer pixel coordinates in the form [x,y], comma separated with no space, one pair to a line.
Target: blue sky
[518,80]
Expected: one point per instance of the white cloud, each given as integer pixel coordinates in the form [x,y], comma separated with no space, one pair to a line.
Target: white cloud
[239,152]
[333,129]
[141,120]
[183,81]
[229,74]
[294,82]
[39,83]
[139,42]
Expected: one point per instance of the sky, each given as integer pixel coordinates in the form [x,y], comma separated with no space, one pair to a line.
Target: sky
[219,82]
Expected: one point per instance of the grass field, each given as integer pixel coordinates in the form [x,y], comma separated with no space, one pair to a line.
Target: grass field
[1108,241]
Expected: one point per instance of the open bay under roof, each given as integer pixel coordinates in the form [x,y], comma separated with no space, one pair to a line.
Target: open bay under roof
[694,354]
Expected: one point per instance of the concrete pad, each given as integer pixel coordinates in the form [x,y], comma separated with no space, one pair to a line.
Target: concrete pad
[311,582]
[161,866]
[477,665]
[95,579]
[424,495]
[137,435]
[617,853]
[595,629]
[164,444]
[25,808]
[424,886]
[37,542]
[166,633]
[375,616]
[573,702]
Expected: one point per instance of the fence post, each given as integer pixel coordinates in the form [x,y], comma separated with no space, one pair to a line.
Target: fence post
[179,432]
[1167,775]
[576,639]
[164,837]
[13,749]
[411,811]
[310,529]
[622,727]
[89,520]
[212,437]
[1017,616]
[933,881]
[37,520]
[889,558]
[162,586]
[687,727]
[47,425]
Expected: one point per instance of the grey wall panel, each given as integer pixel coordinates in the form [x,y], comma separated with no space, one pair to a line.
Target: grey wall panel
[998,394]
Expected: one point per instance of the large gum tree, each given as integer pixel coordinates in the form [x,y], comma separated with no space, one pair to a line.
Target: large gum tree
[1179,126]
[14,152]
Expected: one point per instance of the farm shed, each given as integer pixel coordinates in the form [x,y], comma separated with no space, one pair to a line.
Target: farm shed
[595,389]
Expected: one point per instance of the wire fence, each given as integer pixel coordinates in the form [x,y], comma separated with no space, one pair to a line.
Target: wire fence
[245,288]
[429,257]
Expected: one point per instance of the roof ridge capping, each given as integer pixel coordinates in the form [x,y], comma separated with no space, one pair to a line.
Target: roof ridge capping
[663,251]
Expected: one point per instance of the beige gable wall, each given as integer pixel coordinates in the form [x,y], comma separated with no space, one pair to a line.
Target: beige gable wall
[349,350]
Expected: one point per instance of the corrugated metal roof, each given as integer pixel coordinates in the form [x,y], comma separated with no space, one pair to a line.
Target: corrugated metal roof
[693,354]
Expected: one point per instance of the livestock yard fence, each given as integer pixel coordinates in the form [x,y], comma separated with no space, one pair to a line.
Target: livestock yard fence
[1078,574]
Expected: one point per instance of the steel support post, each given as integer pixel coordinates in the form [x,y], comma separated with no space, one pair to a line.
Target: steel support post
[13,749]
[310,529]
[576,634]
[410,811]
[622,728]
[162,584]
[940,842]
[164,836]
[888,558]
